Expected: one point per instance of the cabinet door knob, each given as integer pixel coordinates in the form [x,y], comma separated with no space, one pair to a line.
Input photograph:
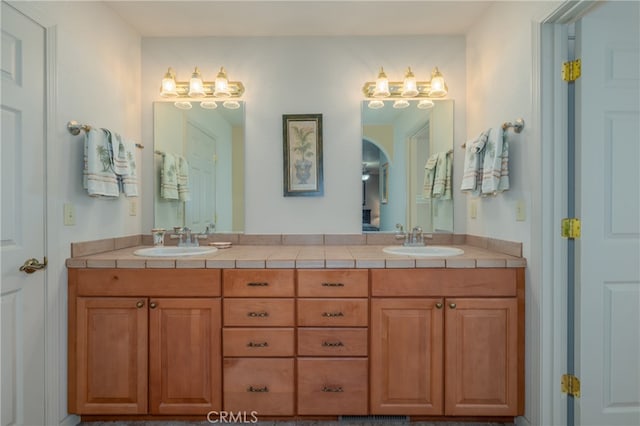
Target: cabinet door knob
[152,305]
[439,305]
[140,304]
[452,305]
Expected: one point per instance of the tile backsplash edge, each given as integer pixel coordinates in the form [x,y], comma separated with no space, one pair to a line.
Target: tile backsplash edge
[511,248]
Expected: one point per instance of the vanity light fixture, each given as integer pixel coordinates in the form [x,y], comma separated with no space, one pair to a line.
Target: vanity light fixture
[404,91]
[229,93]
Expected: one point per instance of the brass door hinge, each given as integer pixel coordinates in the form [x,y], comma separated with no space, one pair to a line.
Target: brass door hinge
[570,227]
[570,385]
[571,70]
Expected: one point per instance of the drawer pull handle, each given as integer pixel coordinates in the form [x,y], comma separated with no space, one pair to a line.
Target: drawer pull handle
[332,285]
[258,314]
[258,389]
[332,314]
[332,389]
[332,344]
[257,344]
[257,284]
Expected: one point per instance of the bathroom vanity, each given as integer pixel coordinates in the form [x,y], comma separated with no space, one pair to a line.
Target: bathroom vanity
[296,332]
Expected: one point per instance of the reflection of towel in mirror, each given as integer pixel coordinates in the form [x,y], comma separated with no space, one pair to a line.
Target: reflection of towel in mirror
[130,181]
[183,179]
[442,181]
[98,177]
[429,176]
[493,159]
[169,177]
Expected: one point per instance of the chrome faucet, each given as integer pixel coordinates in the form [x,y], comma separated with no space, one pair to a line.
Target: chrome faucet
[416,238]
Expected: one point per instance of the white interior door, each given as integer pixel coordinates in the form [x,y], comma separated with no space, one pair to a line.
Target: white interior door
[22,296]
[608,203]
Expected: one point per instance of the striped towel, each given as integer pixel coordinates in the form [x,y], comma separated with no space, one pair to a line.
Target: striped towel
[98,177]
[429,176]
[442,181]
[183,179]
[473,163]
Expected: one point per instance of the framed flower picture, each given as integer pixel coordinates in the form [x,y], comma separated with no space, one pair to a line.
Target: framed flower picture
[302,149]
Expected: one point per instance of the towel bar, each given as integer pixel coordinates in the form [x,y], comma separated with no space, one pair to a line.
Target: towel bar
[517,126]
[75,128]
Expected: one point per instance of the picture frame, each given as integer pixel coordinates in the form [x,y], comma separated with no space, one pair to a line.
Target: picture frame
[302,149]
[384,184]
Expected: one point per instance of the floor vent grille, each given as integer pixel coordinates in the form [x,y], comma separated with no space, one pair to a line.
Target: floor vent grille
[374,419]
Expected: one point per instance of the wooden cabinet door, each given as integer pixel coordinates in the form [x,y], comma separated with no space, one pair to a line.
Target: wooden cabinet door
[481,355]
[184,356]
[111,355]
[406,356]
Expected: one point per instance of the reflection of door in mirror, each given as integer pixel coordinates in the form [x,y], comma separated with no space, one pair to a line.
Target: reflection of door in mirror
[212,142]
[372,159]
[408,138]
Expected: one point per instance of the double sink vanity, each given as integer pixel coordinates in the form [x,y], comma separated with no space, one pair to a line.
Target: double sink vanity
[295,327]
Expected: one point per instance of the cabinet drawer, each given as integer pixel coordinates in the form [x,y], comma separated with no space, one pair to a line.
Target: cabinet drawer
[148,282]
[332,312]
[263,385]
[257,342]
[489,282]
[340,283]
[332,386]
[332,341]
[258,312]
[258,282]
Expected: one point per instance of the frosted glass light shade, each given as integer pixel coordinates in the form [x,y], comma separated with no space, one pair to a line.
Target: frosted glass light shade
[168,89]
[425,104]
[438,85]
[208,105]
[401,104]
[196,88]
[375,104]
[409,85]
[221,84]
[382,85]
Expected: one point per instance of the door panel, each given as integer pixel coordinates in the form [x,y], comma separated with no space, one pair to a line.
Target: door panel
[608,203]
[22,296]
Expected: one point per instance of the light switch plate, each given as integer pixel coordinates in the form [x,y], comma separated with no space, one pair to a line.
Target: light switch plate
[473,209]
[521,211]
[133,207]
[69,214]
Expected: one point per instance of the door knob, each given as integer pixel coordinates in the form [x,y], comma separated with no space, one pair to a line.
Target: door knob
[32,265]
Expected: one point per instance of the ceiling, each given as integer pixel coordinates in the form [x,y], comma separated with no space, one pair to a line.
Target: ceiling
[152,18]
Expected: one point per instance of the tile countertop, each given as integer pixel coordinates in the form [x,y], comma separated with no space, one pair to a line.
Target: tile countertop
[293,256]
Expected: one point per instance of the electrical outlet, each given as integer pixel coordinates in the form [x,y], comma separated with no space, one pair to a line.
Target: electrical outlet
[69,214]
[133,207]
[521,211]
[473,209]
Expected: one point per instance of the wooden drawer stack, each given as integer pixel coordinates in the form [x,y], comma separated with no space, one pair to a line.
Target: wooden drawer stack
[258,341]
[332,319]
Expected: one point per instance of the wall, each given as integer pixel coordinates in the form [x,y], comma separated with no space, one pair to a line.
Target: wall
[95,76]
[501,86]
[297,75]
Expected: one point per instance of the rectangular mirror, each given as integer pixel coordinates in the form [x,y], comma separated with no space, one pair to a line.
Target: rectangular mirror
[397,145]
[199,167]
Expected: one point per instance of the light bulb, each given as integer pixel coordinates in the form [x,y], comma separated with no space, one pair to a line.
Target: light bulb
[438,85]
[221,84]
[382,85]
[409,86]
[168,89]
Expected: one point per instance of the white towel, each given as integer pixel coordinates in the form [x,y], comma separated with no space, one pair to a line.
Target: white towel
[183,179]
[169,177]
[492,164]
[442,181]
[130,181]
[473,162]
[429,176]
[98,177]
[120,162]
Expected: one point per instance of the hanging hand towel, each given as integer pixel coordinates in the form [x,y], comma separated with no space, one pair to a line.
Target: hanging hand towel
[473,159]
[429,176]
[130,181]
[169,177]
[503,185]
[492,162]
[98,177]
[183,179]
[442,181]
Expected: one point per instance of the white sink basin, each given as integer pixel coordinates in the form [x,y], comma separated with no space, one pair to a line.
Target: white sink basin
[424,251]
[173,251]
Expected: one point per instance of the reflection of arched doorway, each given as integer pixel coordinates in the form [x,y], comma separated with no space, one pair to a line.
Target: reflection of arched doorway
[373,158]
